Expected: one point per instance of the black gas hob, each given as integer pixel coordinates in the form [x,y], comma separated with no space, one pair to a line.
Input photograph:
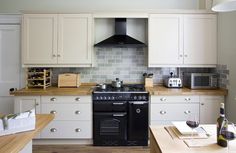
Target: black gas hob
[123,88]
[120,116]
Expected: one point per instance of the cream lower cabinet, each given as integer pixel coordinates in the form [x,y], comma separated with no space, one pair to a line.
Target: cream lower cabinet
[73,115]
[25,103]
[210,108]
[165,109]
[57,40]
[182,40]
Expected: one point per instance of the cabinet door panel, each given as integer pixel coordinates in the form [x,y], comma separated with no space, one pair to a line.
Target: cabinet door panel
[210,109]
[74,45]
[68,130]
[165,39]
[69,111]
[173,112]
[39,39]
[25,103]
[200,39]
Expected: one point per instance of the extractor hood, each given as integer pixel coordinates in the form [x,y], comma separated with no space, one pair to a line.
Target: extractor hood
[120,39]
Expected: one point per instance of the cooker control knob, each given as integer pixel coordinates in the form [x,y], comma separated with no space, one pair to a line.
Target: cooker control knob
[112,97]
[101,97]
[108,97]
[140,97]
[135,97]
[105,98]
[144,98]
[97,98]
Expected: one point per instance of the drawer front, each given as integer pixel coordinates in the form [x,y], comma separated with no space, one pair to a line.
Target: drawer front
[68,111]
[66,99]
[155,122]
[68,130]
[173,112]
[175,99]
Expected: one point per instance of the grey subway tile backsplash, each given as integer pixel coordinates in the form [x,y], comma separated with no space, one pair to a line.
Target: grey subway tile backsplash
[128,64]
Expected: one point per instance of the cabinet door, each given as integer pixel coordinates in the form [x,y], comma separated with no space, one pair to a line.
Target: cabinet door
[24,103]
[165,39]
[210,108]
[74,41]
[39,39]
[200,39]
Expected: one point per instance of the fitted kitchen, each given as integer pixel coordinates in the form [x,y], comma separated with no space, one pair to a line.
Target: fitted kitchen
[86,78]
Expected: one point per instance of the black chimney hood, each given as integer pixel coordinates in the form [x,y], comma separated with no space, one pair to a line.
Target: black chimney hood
[120,39]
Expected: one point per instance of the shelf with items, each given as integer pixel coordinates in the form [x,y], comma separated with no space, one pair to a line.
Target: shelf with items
[38,77]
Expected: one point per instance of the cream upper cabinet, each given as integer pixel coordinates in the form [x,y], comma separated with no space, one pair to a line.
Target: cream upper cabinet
[200,39]
[74,41]
[39,39]
[57,39]
[182,40]
[165,39]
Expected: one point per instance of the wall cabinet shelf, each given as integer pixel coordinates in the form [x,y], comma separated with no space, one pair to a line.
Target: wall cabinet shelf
[57,40]
[182,40]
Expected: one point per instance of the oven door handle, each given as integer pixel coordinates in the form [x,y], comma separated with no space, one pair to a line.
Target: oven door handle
[118,103]
[139,102]
[119,115]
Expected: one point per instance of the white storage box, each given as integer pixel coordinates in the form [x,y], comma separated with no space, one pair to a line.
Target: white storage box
[14,123]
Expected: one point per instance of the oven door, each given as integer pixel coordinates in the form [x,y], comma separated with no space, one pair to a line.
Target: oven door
[109,128]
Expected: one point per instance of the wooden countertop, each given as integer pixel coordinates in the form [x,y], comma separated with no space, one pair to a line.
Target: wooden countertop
[82,90]
[88,88]
[161,90]
[15,142]
[163,142]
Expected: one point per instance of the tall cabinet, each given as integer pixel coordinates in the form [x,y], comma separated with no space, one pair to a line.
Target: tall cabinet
[182,40]
[57,40]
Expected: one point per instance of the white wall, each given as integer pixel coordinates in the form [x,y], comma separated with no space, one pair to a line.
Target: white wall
[14,6]
[227,56]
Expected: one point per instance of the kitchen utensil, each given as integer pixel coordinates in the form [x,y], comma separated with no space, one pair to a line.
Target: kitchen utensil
[102,86]
[117,83]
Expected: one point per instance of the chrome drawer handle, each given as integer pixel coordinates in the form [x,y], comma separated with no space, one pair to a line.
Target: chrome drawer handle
[187,112]
[202,104]
[53,130]
[163,99]
[53,112]
[37,104]
[77,112]
[162,112]
[187,99]
[78,130]
[53,99]
[77,99]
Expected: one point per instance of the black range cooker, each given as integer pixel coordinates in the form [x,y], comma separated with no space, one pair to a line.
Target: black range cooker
[120,116]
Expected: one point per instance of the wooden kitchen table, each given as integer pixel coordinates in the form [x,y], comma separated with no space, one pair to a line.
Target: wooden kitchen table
[22,142]
[162,142]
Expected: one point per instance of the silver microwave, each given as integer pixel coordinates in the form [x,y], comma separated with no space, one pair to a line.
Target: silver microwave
[201,80]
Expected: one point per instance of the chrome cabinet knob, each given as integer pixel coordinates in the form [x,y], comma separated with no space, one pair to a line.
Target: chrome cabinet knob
[163,99]
[202,104]
[77,112]
[53,130]
[37,104]
[58,55]
[53,112]
[187,112]
[54,55]
[180,55]
[185,55]
[162,112]
[187,99]
[78,130]
[77,99]
[53,99]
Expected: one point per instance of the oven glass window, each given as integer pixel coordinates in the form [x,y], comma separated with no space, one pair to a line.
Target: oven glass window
[202,81]
[110,127]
